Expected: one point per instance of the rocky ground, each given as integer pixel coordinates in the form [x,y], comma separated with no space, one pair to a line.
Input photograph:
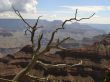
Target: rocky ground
[93,63]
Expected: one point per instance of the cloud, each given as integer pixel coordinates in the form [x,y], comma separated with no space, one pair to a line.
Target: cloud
[21,5]
[108,8]
[28,9]
[5,5]
[87,8]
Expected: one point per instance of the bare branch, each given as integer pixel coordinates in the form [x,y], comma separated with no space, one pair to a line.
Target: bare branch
[57,45]
[75,18]
[39,43]
[35,26]
[76,13]
[62,27]
[27,30]
[6,80]
[52,37]
[36,78]
[58,65]
[19,15]
[62,41]
[86,18]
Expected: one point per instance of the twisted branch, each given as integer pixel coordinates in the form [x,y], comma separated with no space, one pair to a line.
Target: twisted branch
[62,41]
[19,15]
[36,78]
[6,80]
[36,52]
[62,26]
[58,65]
[39,43]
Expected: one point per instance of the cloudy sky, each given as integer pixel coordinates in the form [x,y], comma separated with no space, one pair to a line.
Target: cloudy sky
[58,9]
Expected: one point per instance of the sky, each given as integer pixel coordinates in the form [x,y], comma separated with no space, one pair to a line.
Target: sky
[58,9]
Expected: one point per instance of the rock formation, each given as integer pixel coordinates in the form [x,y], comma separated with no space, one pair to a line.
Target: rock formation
[93,66]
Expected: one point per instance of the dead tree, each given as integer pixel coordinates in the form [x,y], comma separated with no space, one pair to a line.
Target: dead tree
[37,50]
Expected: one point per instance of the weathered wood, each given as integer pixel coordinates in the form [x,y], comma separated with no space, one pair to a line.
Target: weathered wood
[6,80]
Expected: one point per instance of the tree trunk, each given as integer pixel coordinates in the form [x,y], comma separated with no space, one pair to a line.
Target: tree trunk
[23,72]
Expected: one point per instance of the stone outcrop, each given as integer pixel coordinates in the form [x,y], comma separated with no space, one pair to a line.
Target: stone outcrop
[92,67]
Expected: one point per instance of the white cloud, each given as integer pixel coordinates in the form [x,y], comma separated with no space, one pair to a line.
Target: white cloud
[28,9]
[4,5]
[109,8]
[87,8]
[21,5]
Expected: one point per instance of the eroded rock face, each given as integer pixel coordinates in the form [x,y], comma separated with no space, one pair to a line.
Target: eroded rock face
[10,65]
[8,71]
[27,49]
[93,64]
[1,55]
